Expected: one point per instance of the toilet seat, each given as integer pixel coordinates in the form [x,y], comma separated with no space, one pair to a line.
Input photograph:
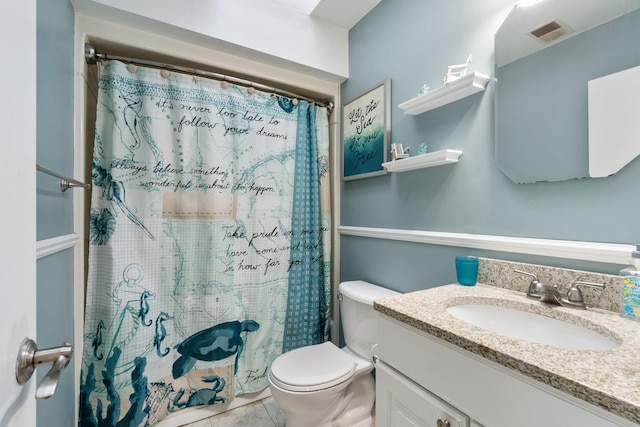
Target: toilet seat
[312,368]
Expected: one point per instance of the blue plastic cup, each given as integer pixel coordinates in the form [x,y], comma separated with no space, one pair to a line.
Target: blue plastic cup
[467,270]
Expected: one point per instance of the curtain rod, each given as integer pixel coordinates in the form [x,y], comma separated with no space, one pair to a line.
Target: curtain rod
[92,57]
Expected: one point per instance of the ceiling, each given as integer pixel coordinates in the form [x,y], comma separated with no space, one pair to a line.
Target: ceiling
[343,13]
[513,38]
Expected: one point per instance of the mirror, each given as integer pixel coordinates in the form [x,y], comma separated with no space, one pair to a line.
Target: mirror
[546,54]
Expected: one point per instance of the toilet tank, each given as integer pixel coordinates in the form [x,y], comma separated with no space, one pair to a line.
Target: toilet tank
[359,319]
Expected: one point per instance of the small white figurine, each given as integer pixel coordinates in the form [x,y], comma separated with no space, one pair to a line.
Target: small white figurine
[399,152]
[454,72]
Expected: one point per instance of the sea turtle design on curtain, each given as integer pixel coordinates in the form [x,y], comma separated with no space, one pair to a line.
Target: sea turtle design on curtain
[215,343]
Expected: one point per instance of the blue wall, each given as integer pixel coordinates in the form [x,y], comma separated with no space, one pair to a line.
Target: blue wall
[412,42]
[54,115]
[55,26]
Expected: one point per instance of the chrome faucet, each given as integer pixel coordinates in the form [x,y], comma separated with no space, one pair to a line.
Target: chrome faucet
[551,294]
[535,287]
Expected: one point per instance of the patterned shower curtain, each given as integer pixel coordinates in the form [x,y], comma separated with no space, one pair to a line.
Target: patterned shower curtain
[209,242]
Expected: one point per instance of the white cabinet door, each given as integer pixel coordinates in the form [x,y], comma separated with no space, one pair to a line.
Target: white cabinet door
[18,212]
[402,403]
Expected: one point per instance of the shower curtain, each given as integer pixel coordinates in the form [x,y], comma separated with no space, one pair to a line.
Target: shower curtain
[209,242]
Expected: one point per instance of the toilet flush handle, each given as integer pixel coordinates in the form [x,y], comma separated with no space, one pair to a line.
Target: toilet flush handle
[374,353]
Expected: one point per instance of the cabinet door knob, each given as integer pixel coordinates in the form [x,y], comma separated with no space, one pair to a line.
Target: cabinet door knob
[443,423]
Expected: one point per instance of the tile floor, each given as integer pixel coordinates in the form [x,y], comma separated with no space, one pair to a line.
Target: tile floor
[264,413]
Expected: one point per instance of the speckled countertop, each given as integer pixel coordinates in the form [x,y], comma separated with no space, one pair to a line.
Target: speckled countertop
[609,379]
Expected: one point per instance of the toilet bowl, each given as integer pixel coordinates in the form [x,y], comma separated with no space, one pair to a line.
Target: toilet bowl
[325,386]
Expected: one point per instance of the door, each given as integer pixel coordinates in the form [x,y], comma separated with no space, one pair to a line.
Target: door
[18,197]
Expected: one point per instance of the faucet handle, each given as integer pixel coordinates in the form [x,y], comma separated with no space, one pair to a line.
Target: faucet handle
[574,295]
[536,289]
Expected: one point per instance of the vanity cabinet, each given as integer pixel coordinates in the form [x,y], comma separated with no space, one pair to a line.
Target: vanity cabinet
[401,402]
[421,378]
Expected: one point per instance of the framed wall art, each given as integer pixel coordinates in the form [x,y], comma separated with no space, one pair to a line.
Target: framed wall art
[366,133]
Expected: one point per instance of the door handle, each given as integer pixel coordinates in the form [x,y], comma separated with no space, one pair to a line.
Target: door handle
[29,358]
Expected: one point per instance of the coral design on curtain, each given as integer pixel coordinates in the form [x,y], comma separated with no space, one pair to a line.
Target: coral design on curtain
[209,243]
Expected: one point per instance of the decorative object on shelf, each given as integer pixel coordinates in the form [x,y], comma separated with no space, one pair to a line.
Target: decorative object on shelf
[454,72]
[435,158]
[422,149]
[366,132]
[399,152]
[424,89]
[461,88]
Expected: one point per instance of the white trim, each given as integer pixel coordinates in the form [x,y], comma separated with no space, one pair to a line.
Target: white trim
[584,251]
[336,174]
[53,245]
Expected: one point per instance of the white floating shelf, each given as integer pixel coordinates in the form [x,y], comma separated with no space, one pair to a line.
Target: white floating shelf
[458,89]
[420,161]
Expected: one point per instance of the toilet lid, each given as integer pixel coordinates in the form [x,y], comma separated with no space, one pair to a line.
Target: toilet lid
[311,368]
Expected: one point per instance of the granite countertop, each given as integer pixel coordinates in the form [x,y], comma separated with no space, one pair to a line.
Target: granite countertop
[609,379]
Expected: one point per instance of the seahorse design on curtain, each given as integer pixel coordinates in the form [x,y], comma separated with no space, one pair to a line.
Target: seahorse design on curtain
[209,222]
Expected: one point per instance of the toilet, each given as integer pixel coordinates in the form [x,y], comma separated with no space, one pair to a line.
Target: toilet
[325,386]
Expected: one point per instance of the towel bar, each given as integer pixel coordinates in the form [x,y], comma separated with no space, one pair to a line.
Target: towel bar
[65,182]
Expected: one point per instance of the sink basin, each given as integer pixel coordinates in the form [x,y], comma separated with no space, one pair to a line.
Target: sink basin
[531,327]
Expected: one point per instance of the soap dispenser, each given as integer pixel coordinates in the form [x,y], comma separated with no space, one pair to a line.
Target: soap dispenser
[631,287]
